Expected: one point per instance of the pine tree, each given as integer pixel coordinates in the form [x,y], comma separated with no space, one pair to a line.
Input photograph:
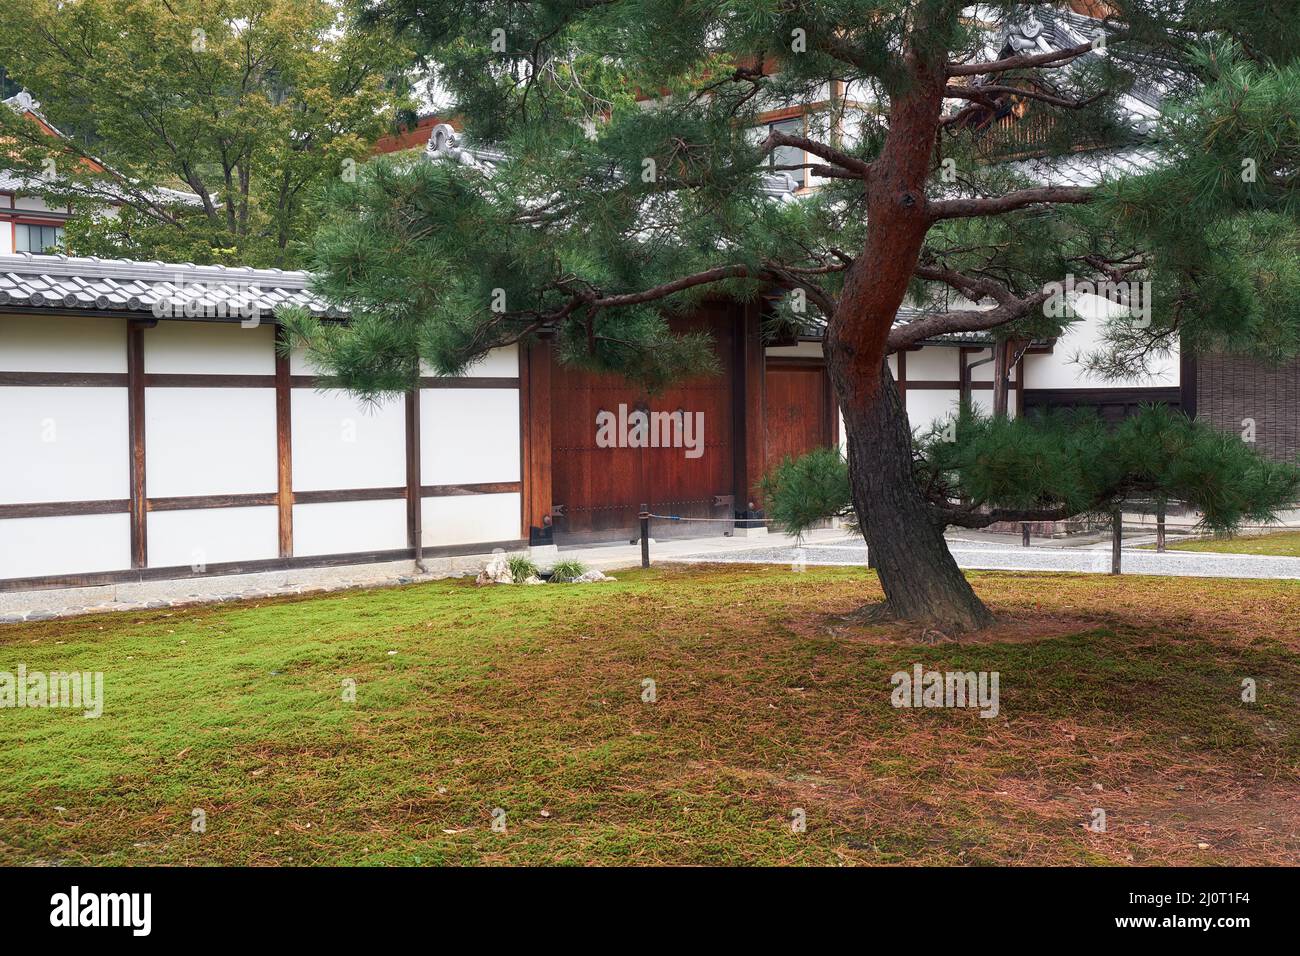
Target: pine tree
[608,212]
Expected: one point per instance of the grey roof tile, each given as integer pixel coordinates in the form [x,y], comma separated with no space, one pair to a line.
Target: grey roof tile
[182,290]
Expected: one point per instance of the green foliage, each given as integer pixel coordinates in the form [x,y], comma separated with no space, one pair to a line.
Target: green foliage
[800,492]
[564,572]
[521,568]
[249,106]
[1071,461]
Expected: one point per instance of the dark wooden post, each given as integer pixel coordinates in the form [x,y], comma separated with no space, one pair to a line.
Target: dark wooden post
[1116,537]
[749,428]
[645,535]
[535,434]
[414,496]
[1001,374]
[284,448]
[1160,523]
[1024,534]
[135,426]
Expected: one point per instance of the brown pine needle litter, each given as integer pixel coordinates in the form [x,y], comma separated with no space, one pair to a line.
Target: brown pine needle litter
[683,715]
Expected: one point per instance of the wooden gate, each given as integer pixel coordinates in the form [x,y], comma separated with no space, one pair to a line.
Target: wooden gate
[800,411]
[597,491]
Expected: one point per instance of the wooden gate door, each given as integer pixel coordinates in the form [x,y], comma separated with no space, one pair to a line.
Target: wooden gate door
[598,491]
[800,411]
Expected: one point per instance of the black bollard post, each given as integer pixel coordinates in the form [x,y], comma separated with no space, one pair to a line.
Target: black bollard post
[645,535]
[1024,534]
[1117,537]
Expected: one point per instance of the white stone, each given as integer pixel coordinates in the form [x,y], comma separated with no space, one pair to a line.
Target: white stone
[496,571]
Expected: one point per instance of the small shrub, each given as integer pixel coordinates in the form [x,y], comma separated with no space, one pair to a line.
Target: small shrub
[521,569]
[567,571]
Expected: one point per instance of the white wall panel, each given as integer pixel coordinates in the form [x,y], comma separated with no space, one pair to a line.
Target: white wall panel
[342,442]
[981,373]
[54,343]
[928,405]
[36,204]
[63,444]
[498,363]
[798,350]
[218,348]
[982,400]
[933,363]
[67,544]
[300,365]
[469,435]
[212,535]
[344,527]
[1061,369]
[465,519]
[208,441]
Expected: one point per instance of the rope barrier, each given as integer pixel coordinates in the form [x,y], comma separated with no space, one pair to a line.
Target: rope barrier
[681,518]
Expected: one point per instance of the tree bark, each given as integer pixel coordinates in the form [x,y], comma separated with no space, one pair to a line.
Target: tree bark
[921,579]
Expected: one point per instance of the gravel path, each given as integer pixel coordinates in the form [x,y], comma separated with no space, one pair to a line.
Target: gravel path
[997,557]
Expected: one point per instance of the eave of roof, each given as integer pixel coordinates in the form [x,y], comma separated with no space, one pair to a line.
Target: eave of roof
[159,289]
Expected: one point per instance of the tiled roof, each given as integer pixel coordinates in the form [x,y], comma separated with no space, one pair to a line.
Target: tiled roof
[13,182]
[167,290]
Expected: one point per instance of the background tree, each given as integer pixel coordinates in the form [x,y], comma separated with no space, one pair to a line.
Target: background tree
[608,213]
[247,105]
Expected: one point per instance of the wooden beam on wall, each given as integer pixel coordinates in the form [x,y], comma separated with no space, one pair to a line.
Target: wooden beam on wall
[284,450]
[535,439]
[749,423]
[414,510]
[135,429]
[1001,370]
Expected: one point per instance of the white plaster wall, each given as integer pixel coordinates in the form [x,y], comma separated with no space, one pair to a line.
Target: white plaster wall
[342,442]
[465,519]
[36,204]
[928,405]
[67,544]
[469,435]
[498,363]
[934,362]
[798,350]
[63,444]
[213,535]
[299,364]
[6,230]
[1061,370]
[53,343]
[208,441]
[221,348]
[349,526]
[981,373]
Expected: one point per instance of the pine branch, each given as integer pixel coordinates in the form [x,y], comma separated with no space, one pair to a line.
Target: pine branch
[967,208]
[852,164]
[1052,60]
[985,95]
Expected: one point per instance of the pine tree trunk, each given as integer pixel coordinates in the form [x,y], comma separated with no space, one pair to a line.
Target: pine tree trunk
[921,579]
